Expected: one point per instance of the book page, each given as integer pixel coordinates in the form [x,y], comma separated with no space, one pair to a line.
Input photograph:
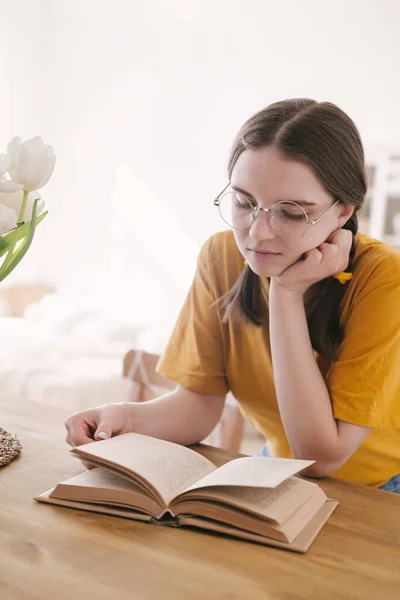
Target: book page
[105,487]
[96,508]
[253,472]
[287,531]
[275,504]
[300,544]
[169,468]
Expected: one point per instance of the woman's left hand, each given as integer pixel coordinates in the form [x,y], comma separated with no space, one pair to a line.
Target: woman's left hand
[329,258]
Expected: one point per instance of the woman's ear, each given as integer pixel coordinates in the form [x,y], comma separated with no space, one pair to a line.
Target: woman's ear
[346,210]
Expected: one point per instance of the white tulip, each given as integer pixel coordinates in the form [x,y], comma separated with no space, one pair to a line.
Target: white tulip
[30,163]
[8,219]
[25,168]
[14,201]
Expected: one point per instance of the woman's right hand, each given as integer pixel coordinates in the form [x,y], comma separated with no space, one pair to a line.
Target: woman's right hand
[99,423]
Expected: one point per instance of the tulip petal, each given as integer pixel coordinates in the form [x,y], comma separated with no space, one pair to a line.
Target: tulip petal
[9,186]
[50,168]
[27,168]
[13,200]
[12,154]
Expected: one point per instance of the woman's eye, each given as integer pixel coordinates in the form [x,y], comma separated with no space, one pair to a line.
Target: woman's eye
[241,203]
[293,216]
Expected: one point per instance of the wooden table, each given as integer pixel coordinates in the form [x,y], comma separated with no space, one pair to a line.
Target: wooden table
[49,552]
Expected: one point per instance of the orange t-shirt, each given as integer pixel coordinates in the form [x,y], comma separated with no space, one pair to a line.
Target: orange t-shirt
[211,357]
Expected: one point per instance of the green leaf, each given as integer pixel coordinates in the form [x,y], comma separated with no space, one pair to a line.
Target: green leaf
[4,245]
[23,248]
[8,238]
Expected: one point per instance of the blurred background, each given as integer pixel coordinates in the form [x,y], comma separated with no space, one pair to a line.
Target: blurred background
[141,101]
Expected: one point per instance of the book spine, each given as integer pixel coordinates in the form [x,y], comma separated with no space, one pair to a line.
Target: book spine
[167,520]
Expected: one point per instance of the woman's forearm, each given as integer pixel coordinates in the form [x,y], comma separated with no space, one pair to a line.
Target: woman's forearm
[181,416]
[302,394]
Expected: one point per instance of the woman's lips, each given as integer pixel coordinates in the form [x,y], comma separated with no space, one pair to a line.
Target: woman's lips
[263,253]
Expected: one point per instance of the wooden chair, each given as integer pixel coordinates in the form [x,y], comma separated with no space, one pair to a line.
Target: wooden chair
[140,368]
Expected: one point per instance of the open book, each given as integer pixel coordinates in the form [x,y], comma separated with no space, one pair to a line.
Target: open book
[254,498]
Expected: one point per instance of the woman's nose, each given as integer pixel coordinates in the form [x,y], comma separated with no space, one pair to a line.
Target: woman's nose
[261,229]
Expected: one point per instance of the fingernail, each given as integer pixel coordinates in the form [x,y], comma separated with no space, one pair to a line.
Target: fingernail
[103,435]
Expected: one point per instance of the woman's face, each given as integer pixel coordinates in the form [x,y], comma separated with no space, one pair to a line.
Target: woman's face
[266,176]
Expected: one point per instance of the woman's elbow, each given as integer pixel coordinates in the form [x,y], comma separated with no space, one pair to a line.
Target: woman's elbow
[325,463]
[322,468]
[317,471]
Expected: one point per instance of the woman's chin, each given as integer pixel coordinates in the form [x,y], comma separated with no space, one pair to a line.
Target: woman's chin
[266,270]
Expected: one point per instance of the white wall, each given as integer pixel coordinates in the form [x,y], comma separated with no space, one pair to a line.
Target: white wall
[25,28]
[155,90]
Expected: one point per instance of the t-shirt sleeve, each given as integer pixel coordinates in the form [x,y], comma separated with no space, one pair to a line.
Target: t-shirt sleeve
[194,355]
[364,382]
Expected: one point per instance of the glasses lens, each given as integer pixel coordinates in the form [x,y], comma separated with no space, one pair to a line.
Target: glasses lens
[289,219]
[236,210]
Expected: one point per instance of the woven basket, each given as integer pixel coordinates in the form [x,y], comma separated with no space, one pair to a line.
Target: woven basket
[10,447]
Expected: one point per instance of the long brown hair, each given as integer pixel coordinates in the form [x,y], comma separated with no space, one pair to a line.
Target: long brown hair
[324,138]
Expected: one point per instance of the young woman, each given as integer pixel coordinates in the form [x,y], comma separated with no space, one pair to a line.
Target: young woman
[290,309]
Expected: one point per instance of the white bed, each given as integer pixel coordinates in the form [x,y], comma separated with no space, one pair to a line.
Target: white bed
[63,351]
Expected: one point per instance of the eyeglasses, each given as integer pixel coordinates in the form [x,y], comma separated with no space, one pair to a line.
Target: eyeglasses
[287,218]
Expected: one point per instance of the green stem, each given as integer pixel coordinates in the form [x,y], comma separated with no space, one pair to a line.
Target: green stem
[15,239]
[23,206]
